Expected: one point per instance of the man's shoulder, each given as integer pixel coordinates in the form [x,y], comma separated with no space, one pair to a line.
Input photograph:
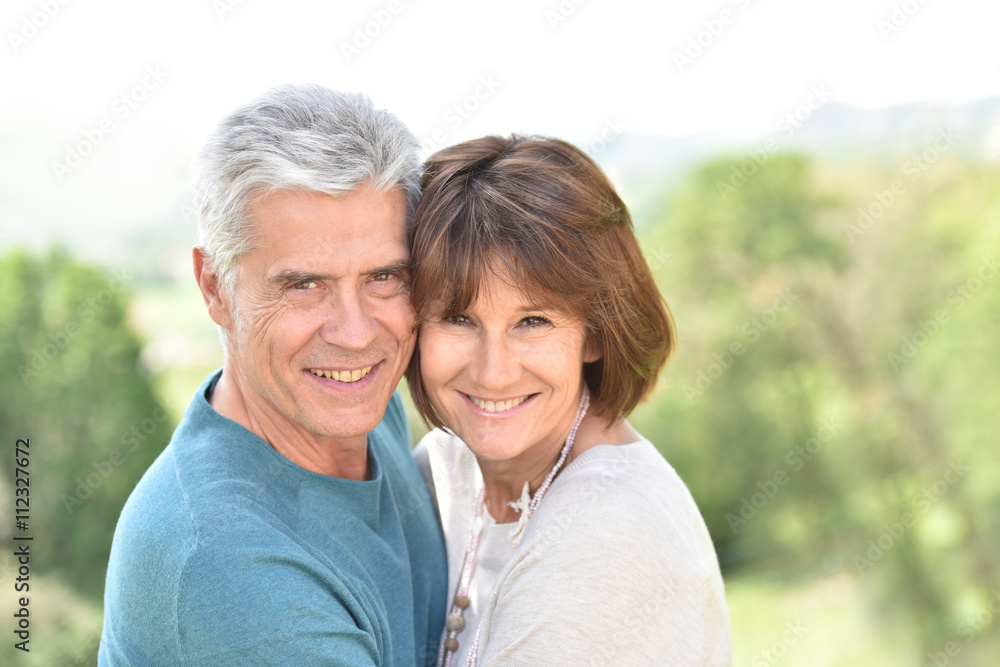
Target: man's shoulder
[159,527]
[191,567]
[153,539]
[155,518]
[197,478]
[202,483]
[207,481]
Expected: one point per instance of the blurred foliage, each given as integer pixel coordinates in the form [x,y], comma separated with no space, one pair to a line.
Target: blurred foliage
[65,626]
[72,384]
[831,400]
[830,405]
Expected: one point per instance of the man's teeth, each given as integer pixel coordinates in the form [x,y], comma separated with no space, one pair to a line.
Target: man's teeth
[498,406]
[342,376]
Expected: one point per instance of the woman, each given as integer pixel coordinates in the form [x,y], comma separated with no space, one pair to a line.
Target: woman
[570,539]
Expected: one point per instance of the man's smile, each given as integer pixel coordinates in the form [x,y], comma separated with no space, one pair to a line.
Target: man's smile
[342,376]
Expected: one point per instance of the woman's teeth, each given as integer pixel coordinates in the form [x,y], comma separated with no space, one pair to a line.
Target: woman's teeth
[342,376]
[498,406]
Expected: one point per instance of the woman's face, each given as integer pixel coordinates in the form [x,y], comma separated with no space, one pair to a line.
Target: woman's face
[505,375]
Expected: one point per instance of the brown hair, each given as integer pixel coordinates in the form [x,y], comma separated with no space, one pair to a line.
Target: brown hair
[540,212]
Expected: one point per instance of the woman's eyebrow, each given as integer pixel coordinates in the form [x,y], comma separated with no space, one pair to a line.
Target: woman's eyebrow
[548,308]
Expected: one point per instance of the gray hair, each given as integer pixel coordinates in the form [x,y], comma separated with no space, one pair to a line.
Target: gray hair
[295,137]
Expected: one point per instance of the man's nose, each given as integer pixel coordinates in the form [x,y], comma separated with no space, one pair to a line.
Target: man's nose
[349,324]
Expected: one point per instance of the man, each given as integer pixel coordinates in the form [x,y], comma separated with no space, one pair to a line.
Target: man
[286,523]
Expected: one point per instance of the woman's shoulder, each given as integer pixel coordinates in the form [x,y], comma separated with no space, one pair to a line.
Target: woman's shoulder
[623,476]
[451,473]
[444,453]
[617,542]
[631,495]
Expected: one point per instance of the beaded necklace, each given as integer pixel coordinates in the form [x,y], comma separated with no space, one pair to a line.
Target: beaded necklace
[455,623]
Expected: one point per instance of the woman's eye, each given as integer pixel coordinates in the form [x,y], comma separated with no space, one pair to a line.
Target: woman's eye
[456,319]
[535,321]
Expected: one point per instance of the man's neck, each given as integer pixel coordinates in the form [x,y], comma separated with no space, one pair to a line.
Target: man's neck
[335,457]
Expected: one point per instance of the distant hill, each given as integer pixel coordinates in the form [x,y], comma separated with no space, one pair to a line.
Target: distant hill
[647,167]
[129,205]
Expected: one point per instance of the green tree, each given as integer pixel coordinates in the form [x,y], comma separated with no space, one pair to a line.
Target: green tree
[74,387]
[832,371]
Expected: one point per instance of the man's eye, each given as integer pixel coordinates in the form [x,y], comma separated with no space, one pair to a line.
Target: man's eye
[304,285]
[382,277]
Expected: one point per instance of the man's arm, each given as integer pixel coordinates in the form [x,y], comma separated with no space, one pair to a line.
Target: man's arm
[180,600]
[275,611]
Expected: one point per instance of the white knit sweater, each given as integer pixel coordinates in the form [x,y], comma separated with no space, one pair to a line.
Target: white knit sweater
[616,566]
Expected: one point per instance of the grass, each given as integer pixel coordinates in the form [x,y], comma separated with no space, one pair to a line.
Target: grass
[65,628]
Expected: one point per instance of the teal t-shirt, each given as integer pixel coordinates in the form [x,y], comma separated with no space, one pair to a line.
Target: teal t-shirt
[226,553]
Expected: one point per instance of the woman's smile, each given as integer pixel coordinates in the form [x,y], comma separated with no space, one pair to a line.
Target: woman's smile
[494,408]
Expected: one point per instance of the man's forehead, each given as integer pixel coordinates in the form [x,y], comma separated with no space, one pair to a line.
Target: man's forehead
[311,218]
[362,205]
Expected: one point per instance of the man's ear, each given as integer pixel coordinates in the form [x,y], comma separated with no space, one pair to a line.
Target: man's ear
[212,289]
[592,349]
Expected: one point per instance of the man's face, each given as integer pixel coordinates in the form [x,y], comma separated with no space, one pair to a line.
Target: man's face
[324,327]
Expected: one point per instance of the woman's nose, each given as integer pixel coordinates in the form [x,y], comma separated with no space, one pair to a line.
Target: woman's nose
[495,363]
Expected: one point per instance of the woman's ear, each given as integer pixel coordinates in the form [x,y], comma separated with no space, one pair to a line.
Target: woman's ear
[592,349]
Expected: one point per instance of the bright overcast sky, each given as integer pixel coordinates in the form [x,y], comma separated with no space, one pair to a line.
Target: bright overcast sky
[568,68]
[556,67]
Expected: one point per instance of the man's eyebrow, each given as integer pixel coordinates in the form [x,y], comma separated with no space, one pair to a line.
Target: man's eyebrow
[297,277]
[399,266]
[292,276]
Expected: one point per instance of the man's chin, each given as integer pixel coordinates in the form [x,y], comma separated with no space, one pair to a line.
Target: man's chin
[345,424]
[332,414]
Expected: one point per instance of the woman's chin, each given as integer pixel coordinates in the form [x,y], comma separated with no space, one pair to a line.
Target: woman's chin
[491,450]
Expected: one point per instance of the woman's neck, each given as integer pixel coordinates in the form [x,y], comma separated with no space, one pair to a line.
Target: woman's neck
[504,480]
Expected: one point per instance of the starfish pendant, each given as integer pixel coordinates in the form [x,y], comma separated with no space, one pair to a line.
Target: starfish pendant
[523,506]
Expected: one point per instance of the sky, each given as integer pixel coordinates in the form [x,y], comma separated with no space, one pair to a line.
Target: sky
[138,86]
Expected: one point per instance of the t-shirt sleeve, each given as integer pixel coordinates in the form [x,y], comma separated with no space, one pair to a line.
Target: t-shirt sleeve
[596,584]
[271,610]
